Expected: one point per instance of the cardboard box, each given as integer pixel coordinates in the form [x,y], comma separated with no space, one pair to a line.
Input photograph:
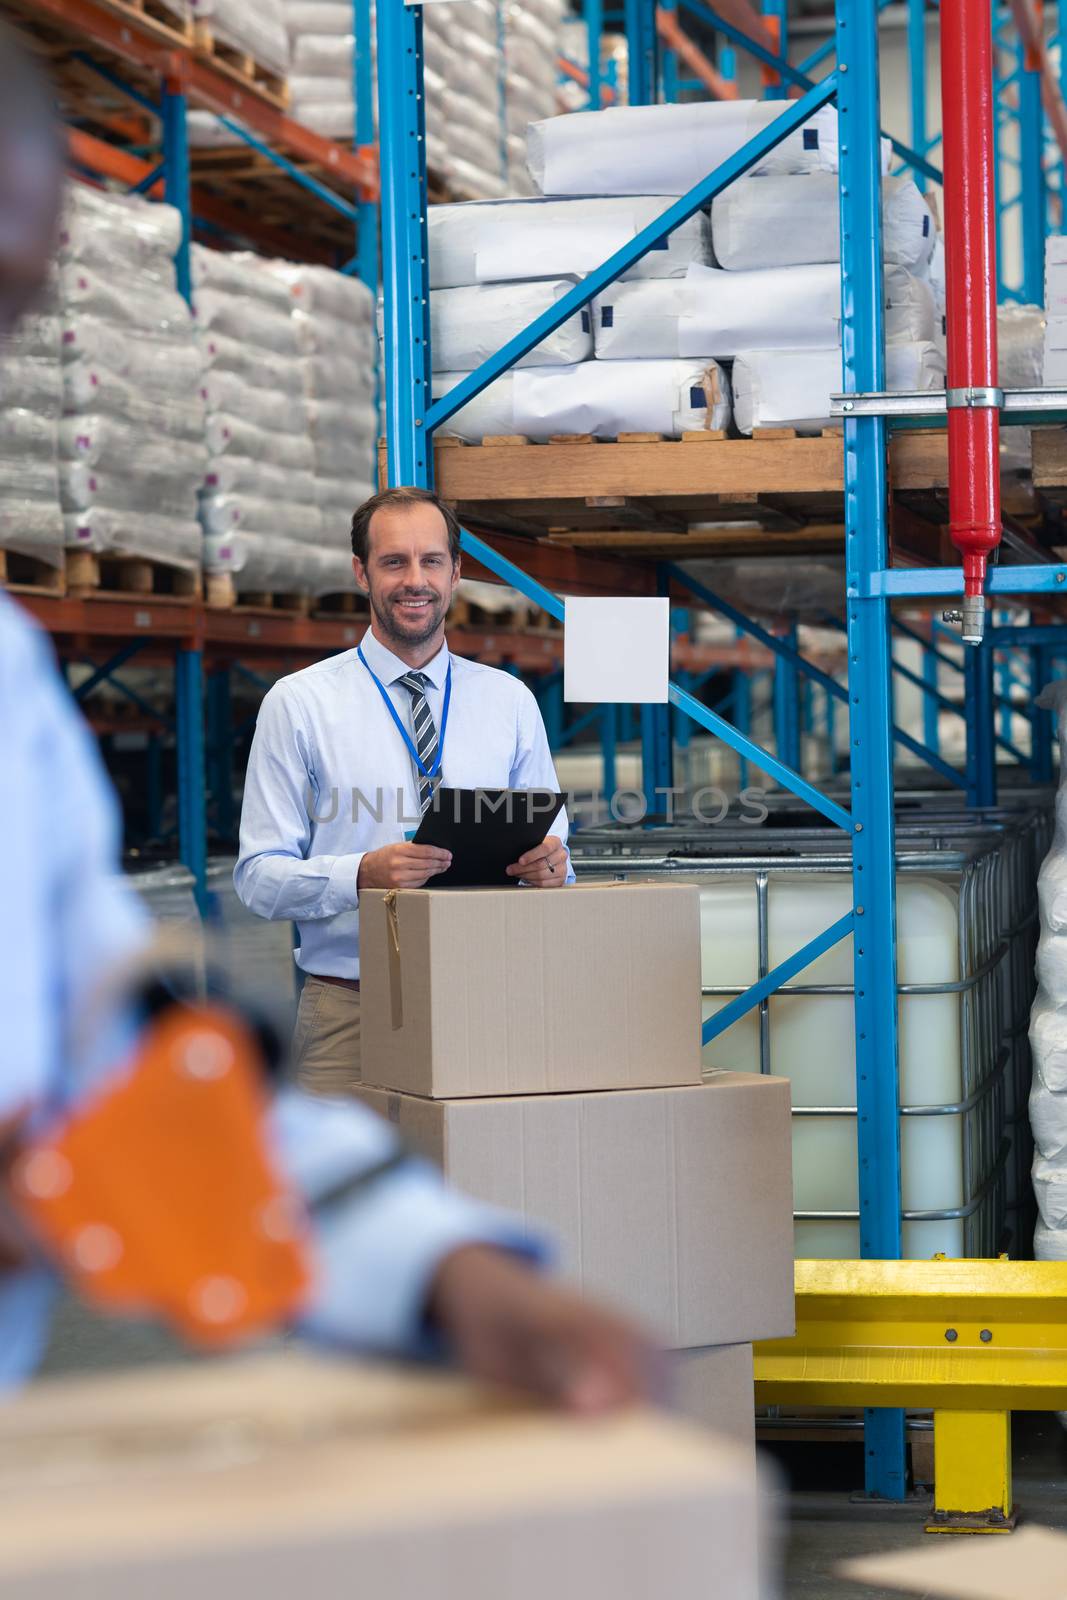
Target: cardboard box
[673,1204]
[515,991]
[278,1477]
[716,1388]
[1031,1564]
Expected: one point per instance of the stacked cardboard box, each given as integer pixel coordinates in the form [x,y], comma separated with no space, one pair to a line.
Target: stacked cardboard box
[278,1476]
[544,1050]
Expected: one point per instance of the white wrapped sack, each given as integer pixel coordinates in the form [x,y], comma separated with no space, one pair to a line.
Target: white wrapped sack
[352,421]
[279,564]
[328,336]
[276,411]
[228,513]
[230,435]
[667,149]
[105,531]
[255,27]
[25,436]
[668,397]
[131,305]
[31,383]
[1020,340]
[33,527]
[500,241]
[322,55]
[318,291]
[110,443]
[317,16]
[238,272]
[88,387]
[30,480]
[159,363]
[725,313]
[792,388]
[230,475]
[791,219]
[262,369]
[467,326]
[123,232]
[251,322]
[339,497]
[169,493]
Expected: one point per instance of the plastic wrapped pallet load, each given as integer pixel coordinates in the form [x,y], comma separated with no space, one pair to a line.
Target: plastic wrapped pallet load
[467,326]
[1048,1023]
[254,27]
[600,398]
[31,392]
[725,313]
[131,445]
[791,219]
[667,149]
[792,388]
[500,241]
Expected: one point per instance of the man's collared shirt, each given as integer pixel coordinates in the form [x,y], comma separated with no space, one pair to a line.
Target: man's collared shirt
[330,778]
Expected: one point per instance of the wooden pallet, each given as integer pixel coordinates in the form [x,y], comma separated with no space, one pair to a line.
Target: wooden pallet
[240,66]
[28,575]
[129,575]
[642,483]
[299,605]
[158,11]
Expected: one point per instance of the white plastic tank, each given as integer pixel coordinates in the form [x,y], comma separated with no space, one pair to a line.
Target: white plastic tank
[812,1042]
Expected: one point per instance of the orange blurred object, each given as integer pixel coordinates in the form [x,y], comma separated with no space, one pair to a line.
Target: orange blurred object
[160,1195]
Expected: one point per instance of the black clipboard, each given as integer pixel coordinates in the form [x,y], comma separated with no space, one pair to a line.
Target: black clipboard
[486,830]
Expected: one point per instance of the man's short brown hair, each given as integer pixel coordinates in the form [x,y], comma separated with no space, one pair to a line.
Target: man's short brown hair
[400,500]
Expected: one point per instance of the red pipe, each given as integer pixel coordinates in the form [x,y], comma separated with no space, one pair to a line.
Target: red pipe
[971,292]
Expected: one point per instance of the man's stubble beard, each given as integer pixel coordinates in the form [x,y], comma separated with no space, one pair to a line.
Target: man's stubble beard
[382,617]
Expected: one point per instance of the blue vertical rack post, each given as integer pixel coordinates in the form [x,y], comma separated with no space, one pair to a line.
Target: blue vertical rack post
[917,80]
[1032,196]
[870,700]
[776,11]
[189,666]
[363,94]
[642,65]
[593,12]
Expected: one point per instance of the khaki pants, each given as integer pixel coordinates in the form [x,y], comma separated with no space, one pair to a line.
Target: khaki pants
[326,1038]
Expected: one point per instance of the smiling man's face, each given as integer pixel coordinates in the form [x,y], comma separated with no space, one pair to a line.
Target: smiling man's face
[409,574]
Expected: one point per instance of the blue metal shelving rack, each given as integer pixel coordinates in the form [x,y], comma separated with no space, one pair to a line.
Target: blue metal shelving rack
[871,582]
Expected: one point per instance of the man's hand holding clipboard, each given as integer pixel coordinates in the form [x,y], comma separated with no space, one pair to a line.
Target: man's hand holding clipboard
[495,837]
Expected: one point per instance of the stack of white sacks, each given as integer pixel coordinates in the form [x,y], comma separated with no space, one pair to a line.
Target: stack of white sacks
[1055,368]
[1048,1022]
[255,27]
[333,316]
[260,512]
[31,400]
[464,88]
[531,31]
[322,59]
[663,333]
[131,442]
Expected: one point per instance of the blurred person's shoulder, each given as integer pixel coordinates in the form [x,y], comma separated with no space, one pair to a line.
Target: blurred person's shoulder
[25,651]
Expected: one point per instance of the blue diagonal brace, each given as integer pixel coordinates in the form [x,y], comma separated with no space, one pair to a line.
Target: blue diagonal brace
[304,179]
[509,573]
[799,112]
[777,977]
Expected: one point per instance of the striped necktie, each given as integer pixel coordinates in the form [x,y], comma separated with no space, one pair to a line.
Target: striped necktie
[423,725]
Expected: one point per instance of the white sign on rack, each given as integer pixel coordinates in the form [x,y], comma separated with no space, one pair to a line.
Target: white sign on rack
[616,651]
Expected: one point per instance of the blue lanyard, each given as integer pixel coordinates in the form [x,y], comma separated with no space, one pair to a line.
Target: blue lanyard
[428,772]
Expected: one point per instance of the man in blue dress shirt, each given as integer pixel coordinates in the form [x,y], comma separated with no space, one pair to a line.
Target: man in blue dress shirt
[403,1264]
[343,758]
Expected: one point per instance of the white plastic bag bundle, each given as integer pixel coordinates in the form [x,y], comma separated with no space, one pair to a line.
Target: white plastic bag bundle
[129,304]
[111,443]
[317,16]
[320,292]
[231,435]
[322,55]
[792,388]
[668,397]
[515,240]
[263,480]
[169,494]
[1020,343]
[330,336]
[237,272]
[340,456]
[667,149]
[31,383]
[355,421]
[119,234]
[261,369]
[467,326]
[88,387]
[33,527]
[340,496]
[272,409]
[255,27]
[159,363]
[249,321]
[25,436]
[1048,1020]
[791,219]
[31,481]
[103,530]
[255,516]
[275,563]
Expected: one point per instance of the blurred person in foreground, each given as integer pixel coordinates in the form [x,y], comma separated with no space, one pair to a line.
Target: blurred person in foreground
[405,1265]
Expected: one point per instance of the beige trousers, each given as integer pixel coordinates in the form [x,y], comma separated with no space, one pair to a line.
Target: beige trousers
[326,1038]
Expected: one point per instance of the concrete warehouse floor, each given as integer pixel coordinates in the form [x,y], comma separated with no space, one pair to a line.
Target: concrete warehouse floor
[825,1527]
